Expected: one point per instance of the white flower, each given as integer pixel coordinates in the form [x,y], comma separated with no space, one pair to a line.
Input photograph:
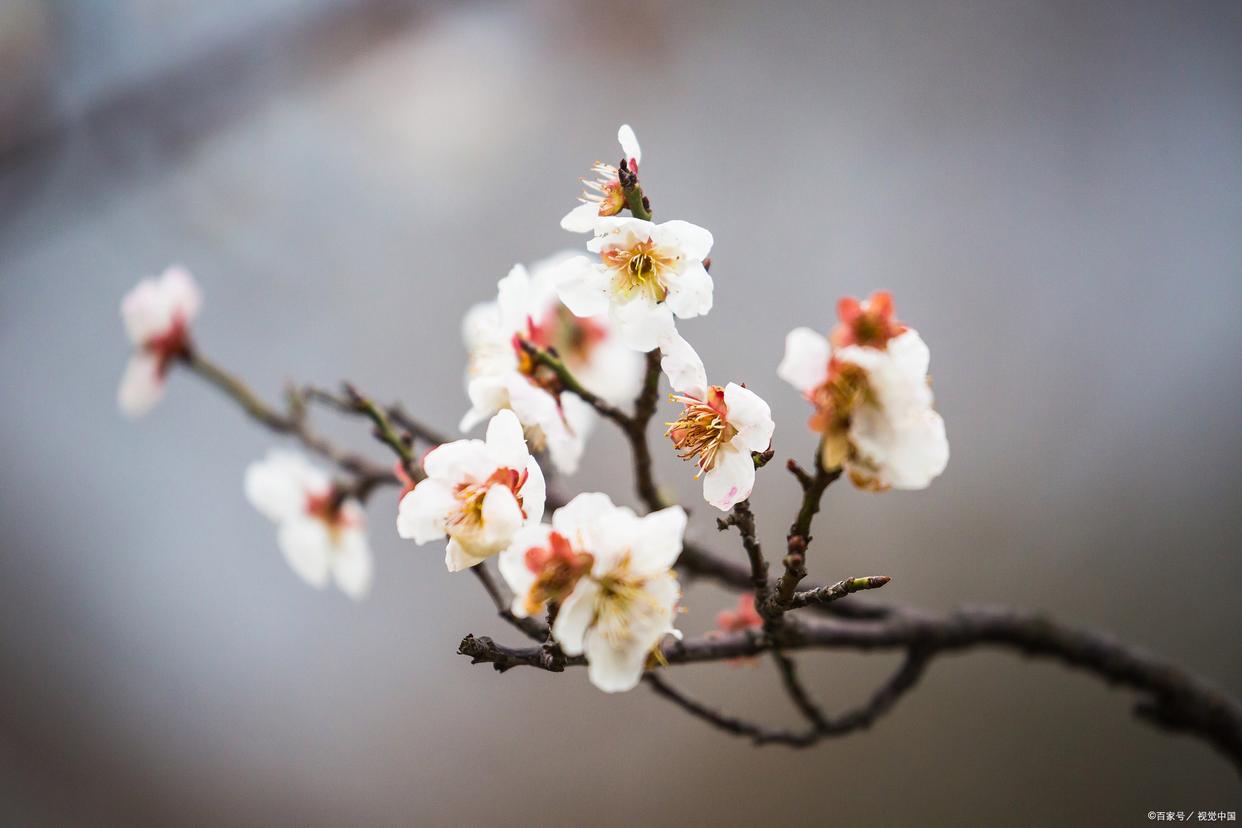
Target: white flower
[719,427]
[603,196]
[157,315]
[646,274]
[502,376]
[623,605]
[873,401]
[321,534]
[477,493]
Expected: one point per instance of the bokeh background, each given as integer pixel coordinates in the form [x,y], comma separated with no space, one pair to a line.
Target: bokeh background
[1051,190]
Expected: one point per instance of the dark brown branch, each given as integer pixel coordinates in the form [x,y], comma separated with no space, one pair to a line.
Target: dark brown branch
[799,537]
[636,433]
[797,693]
[291,423]
[744,519]
[531,627]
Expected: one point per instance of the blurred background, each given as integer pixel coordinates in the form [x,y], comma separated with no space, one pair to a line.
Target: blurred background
[1050,189]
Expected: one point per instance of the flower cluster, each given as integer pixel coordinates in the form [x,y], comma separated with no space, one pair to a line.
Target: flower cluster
[560,344]
[610,571]
[502,375]
[873,402]
[320,529]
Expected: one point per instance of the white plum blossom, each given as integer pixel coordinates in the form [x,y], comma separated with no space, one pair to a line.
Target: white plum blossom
[321,532]
[872,397]
[502,375]
[718,428]
[611,572]
[646,274]
[157,314]
[603,196]
[476,493]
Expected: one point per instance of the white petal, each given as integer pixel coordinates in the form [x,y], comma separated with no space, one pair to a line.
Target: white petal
[487,396]
[457,461]
[580,519]
[582,218]
[690,291]
[152,306]
[534,492]
[910,352]
[352,567]
[659,539]
[513,298]
[576,614]
[642,324]
[751,416]
[614,669]
[182,291]
[512,563]
[423,512]
[506,444]
[683,367]
[614,372]
[582,285]
[629,143]
[141,386]
[730,481]
[502,516]
[480,326]
[457,557]
[805,364]
[693,241]
[278,485]
[307,547]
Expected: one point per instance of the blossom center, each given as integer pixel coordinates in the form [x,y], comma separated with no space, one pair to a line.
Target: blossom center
[170,344]
[573,338]
[702,429]
[326,507]
[870,324]
[470,496]
[640,268]
[557,568]
[605,190]
[622,604]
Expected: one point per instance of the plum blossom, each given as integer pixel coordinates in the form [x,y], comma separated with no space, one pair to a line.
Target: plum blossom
[477,493]
[502,375]
[321,532]
[157,315]
[604,196]
[611,572]
[646,274]
[718,428]
[873,402]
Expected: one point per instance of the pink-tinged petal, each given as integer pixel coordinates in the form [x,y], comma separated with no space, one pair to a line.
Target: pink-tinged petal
[457,461]
[141,386]
[730,481]
[575,617]
[694,242]
[352,566]
[307,546]
[506,442]
[805,364]
[423,513]
[683,367]
[751,416]
[690,291]
[582,285]
[659,540]
[629,143]
[512,563]
[582,218]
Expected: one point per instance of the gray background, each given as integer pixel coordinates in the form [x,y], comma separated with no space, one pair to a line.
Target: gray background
[1050,190]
